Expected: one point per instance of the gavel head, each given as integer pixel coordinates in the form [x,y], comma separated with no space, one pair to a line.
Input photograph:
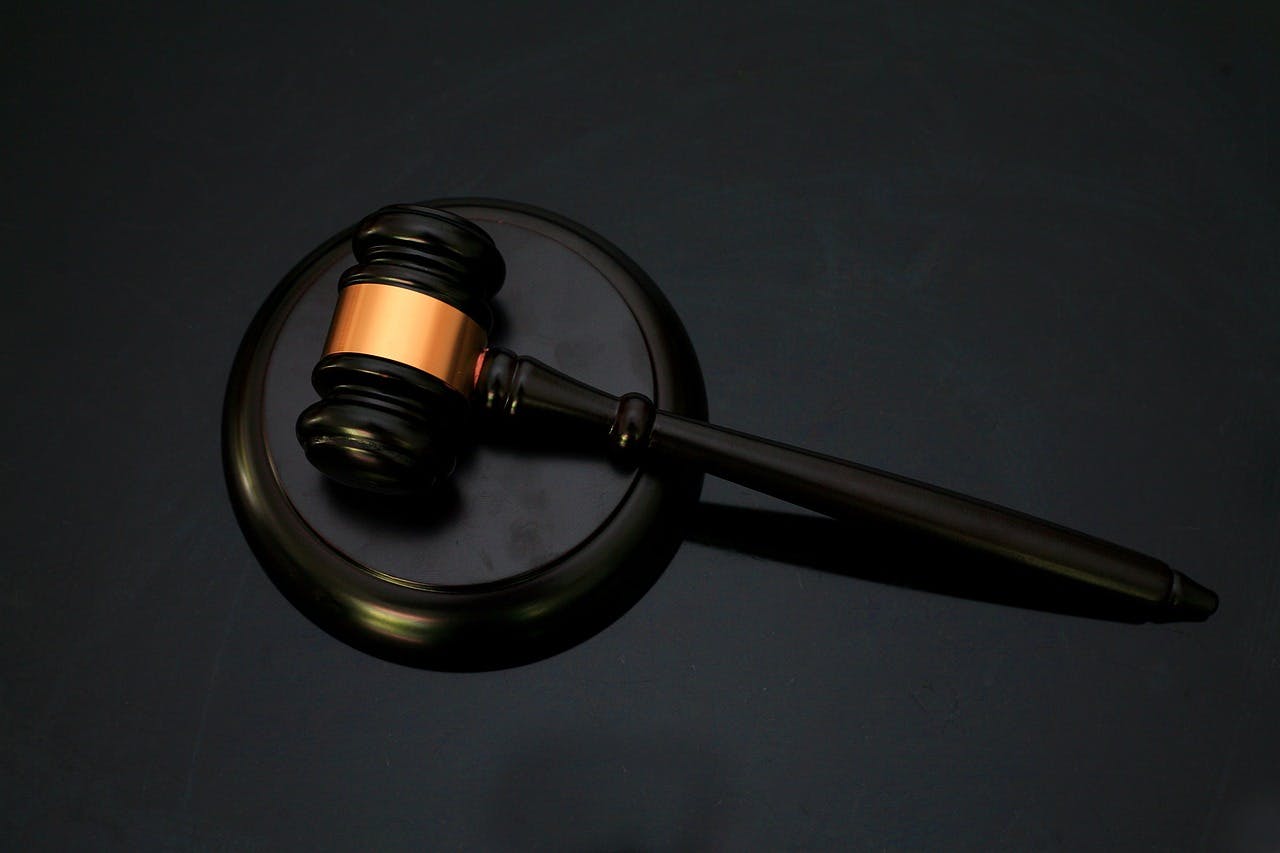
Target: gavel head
[398,368]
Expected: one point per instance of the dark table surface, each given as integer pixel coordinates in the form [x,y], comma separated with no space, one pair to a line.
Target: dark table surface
[1027,252]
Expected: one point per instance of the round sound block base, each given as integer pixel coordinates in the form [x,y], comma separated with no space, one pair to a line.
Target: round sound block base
[525,550]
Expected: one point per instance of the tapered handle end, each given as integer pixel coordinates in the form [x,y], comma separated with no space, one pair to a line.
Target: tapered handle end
[1188,601]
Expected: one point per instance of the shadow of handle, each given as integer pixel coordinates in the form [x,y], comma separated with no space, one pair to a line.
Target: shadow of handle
[884,553]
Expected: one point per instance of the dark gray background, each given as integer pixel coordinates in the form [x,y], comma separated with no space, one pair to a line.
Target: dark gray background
[1023,251]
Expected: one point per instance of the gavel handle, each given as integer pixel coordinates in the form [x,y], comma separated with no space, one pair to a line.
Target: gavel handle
[531,392]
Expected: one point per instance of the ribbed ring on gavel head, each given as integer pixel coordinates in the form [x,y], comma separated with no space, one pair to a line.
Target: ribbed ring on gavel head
[411,322]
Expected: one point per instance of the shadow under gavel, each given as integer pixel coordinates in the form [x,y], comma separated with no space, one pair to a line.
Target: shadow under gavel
[902,557]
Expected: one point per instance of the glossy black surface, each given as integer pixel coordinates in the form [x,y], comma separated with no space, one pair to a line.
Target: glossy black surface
[433,251]
[1037,240]
[508,618]
[381,426]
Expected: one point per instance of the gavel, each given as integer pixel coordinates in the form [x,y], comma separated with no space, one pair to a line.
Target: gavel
[407,373]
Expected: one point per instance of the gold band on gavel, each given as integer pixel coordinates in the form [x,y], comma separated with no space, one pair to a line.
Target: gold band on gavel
[409,327]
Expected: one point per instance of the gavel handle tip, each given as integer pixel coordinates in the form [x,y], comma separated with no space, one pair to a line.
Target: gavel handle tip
[1188,601]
